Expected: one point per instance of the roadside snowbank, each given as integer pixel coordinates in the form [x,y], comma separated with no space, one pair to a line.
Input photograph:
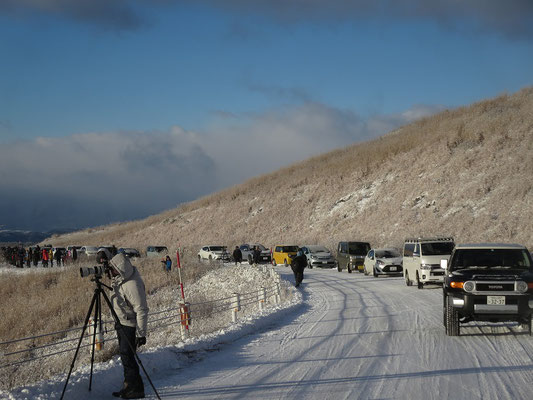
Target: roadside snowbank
[163,358]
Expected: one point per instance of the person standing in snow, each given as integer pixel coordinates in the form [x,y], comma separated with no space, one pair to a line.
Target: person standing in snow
[36,255]
[45,257]
[237,256]
[168,264]
[256,256]
[58,257]
[129,303]
[298,265]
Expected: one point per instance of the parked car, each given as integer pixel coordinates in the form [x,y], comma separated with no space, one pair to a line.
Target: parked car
[283,254]
[129,252]
[156,251]
[213,253]
[387,261]
[421,259]
[247,253]
[89,250]
[351,256]
[487,282]
[318,256]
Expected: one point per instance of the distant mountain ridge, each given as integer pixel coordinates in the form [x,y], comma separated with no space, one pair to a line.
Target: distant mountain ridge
[8,236]
[466,172]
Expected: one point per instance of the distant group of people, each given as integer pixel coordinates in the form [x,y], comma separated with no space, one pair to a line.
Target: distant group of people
[298,263]
[26,257]
[256,255]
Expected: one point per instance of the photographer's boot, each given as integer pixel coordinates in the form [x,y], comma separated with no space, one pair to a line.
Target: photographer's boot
[134,391]
[119,393]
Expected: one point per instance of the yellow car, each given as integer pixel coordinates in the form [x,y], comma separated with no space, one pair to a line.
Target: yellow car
[283,254]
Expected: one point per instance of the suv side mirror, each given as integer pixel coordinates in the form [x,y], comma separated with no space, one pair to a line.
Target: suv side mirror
[444,264]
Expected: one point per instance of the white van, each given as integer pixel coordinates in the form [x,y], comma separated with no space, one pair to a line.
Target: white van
[421,259]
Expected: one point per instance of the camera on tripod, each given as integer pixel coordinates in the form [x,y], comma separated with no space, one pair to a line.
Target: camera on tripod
[98,271]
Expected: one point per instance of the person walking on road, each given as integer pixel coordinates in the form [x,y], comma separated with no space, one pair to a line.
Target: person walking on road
[298,265]
[237,255]
[256,255]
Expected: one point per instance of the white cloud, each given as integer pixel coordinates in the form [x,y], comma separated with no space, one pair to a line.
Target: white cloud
[96,178]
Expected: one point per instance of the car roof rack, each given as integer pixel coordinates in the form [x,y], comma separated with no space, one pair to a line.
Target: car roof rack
[430,239]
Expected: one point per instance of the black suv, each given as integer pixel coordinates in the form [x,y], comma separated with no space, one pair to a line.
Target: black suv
[487,282]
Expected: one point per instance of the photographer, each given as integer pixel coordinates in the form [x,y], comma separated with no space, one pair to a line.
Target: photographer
[129,303]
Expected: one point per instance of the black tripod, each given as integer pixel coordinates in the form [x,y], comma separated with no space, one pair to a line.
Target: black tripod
[96,305]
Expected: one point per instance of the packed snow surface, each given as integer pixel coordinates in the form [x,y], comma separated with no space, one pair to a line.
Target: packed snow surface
[345,336]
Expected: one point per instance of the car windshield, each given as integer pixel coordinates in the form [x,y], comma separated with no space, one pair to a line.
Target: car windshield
[217,248]
[318,249]
[389,253]
[490,259]
[160,248]
[358,249]
[437,248]
[289,249]
[261,247]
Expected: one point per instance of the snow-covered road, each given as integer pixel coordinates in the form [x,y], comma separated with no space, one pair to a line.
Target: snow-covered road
[366,338]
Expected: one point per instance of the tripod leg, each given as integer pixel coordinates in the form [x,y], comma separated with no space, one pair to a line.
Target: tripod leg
[95,324]
[93,301]
[131,345]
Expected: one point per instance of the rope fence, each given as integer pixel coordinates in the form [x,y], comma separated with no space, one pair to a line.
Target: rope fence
[183,316]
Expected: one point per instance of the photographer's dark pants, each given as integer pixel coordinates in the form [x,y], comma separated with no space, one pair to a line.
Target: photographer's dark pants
[127,355]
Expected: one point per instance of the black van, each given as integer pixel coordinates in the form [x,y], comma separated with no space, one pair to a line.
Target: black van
[351,256]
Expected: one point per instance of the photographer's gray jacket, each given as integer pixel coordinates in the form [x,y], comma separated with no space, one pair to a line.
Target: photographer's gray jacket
[129,298]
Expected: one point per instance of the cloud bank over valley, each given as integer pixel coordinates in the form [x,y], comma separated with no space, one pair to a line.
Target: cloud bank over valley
[91,179]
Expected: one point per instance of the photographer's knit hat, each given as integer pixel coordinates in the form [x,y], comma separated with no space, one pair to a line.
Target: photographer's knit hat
[103,253]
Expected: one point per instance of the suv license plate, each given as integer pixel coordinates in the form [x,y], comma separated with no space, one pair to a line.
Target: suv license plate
[393,268]
[496,300]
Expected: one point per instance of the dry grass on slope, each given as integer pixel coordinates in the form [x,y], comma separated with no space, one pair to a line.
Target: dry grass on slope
[466,172]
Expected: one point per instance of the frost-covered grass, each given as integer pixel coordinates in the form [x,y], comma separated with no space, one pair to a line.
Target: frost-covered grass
[465,172]
[56,299]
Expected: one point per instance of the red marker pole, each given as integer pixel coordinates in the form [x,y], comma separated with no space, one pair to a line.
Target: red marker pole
[184,308]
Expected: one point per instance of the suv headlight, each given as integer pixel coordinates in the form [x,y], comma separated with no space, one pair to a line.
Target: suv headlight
[521,286]
[425,266]
[314,257]
[469,286]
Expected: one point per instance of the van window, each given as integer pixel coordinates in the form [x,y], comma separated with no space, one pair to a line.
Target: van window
[416,251]
[278,249]
[343,248]
[437,248]
[359,249]
[408,249]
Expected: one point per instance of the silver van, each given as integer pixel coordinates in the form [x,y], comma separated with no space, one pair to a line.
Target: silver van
[422,257]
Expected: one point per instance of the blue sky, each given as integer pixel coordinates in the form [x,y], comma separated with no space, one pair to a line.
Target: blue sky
[200,93]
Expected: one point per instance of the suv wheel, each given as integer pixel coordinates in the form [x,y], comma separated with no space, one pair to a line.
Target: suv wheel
[407,280]
[419,284]
[452,319]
